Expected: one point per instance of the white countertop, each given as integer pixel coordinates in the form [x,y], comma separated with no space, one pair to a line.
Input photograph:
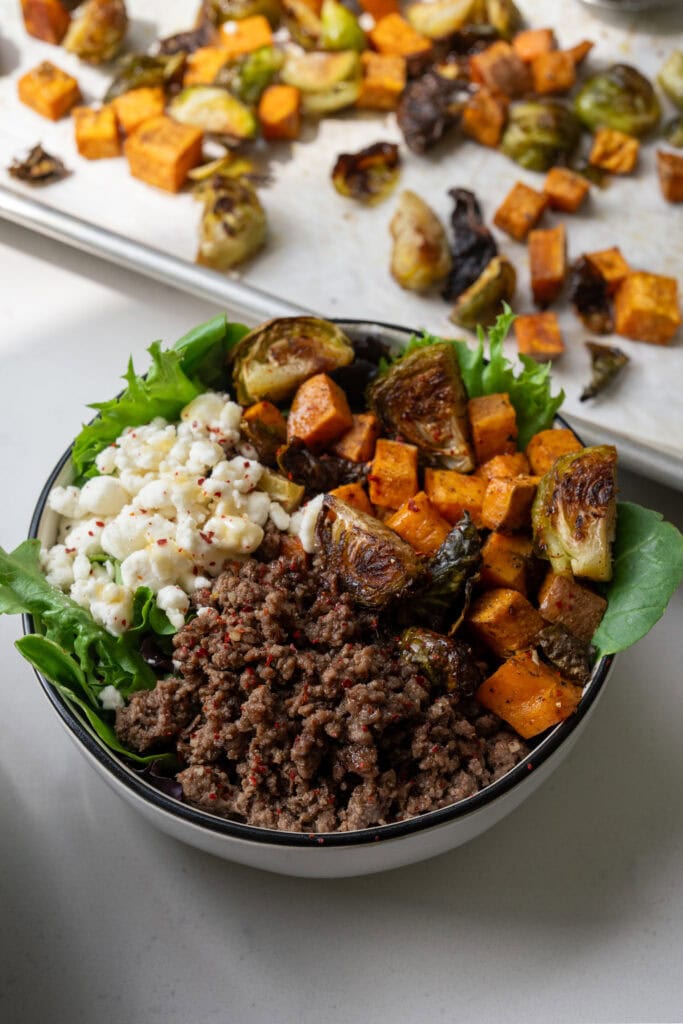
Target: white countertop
[570,910]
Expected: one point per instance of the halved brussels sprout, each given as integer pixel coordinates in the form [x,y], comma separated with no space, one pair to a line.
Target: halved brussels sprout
[445,662]
[317,473]
[266,439]
[140,69]
[374,564]
[232,165]
[214,110]
[369,175]
[420,255]
[540,133]
[440,18]
[619,97]
[588,295]
[286,492]
[248,76]
[670,78]
[607,362]
[422,400]
[503,16]
[328,81]
[444,593]
[38,168]
[275,358]
[98,30]
[430,106]
[233,225]
[303,24]
[217,12]
[340,28]
[574,513]
[482,302]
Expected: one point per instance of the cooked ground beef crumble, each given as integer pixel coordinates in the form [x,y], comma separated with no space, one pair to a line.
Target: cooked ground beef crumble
[294,710]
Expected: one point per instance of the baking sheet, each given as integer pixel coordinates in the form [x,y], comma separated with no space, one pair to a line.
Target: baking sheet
[328,255]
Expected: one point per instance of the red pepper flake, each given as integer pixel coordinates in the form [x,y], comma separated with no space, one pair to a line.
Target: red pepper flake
[124,622]
[69,551]
[201,480]
[217,494]
[162,541]
[202,653]
[269,660]
[412,506]
[435,748]
[246,465]
[90,533]
[212,796]
[529,767]
[346,683]
[98,522]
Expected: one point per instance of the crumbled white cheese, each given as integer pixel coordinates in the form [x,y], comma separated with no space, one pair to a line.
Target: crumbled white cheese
[175,603]
[110,698]
[303,523]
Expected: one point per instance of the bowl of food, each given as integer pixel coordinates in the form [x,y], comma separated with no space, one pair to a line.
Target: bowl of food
[331,598]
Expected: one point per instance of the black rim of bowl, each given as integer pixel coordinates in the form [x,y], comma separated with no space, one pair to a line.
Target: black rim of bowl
[131,777]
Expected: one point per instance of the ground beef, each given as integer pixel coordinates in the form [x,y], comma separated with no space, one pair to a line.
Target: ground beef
[294,710]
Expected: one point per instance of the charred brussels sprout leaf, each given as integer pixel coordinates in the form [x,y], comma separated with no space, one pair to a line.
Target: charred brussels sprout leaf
[247,77]
[473,244]
[440,18]
[139,69]
[588,294]
[445,662]
[369,175]
[233,225]
[607,362]
[621,98]
[188,42]
[317,473]
[276,357]
[372,561]
[265,438]
[97,32]
[327,81]
[574,513]
[422,400]
[573,658]
[670,78]
[541,133]
[38,168]
[215,111]
[340,28]
[483,302]
[428,108]
[286,492]
[420,257]
[445,591]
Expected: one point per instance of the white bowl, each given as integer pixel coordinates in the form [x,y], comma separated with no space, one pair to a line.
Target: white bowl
[331,855]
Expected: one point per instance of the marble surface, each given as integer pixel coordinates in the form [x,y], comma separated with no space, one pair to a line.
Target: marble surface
[569,910]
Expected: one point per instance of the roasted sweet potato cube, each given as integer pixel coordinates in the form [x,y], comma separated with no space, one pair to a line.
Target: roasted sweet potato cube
[611,266]
[520,211]
[245,35]
[539,336]
[533,42]
[484,116]
[545,448]
[418,522]
[505,621]
[356,495]
[203,65]
[581,50]
[501,69]
[505,561]
[320,413]
[383,81]
[514,464]
[493,424]
[507,503]
[670,172]
[136,106]
[49,91]
[279,112]
[562,599]
[358,443]
[547,263]
[268,414]
[380,8]
[394,35]
[565,189]
[646,308]
[45,19]
[614,151]
[97,132]
[529,695]
[393,476]
[553,72]
[454,493]
[161,152]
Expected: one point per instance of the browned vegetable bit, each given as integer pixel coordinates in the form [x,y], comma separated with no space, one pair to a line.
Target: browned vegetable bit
[97,32]
[570,655]
[429,107]
[473,245]
[368,175]
[670,171]
[588,294]
[483,301]
[420,257]
[607,362]
[187,42]
[38,168]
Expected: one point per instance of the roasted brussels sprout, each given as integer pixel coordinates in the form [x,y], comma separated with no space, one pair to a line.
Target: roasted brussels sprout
[620,97]
[473,245]
[215,111]
[38,168]
[374,564]
[483,301]
[138,69]
[588,294]
[188,42]
[247,77]
[328,81]
[573,658]
[340,28]
[429,107]
[440,18]
[444,593]
[607,362]
[420,257]
[422,400]
[232,165]
[673,132]
[216,12]
[285,492]
[233,226]
[97,32]
[503,16]
[317,473]
[670,78]
[369,175]
[445,662]
[541,133]
[265,438]
[272,360]
[303,24]
[574,513]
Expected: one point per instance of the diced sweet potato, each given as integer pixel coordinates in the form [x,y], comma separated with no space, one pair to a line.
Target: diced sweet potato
[538,335]
[611,266]
[97,132]
[354,494]
[500,466]
[358,443]
[670,172]
[507,503]
[505,561]
[245,35]
[493,424]
[533,42]
[581,50]
[501,69]
[383,81]
[553,72]
[529,695]
[270,415]
[646,308]
[393,476]
[136,106]
[505,621]
[520,211]
[418,522]
[49,91]
[380,8]
[454,493]
[562,599]
[545,448]
[547,263]
[320,413]
[565,189]
[161,152]
[203,65]
[393,34]
[45,19]
[614,151]
[279,112]
[484,116]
